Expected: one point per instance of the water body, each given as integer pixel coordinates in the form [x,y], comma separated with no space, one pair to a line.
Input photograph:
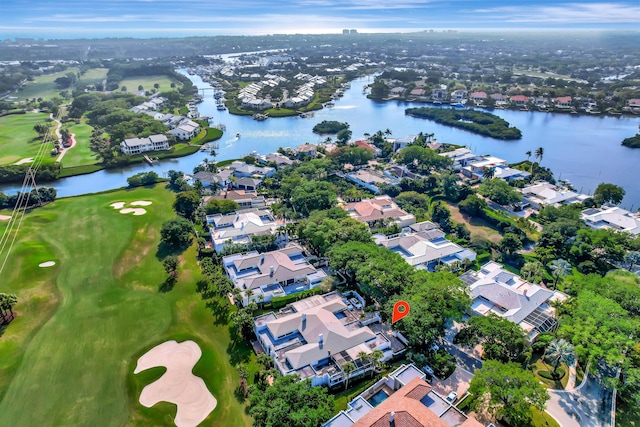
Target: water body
[583,149]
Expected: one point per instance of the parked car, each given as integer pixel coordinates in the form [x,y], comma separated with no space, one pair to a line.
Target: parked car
[452,397]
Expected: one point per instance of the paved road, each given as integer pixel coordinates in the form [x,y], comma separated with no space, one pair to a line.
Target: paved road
[465,360]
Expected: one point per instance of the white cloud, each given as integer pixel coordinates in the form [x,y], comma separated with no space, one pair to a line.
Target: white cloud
[571,13]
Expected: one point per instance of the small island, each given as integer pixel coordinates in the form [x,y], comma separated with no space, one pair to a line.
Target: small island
[632,142]
[330,127]
[478,122]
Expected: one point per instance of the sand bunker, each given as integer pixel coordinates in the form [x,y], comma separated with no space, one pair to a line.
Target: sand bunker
[135,211]
[141,203]
[117,205]
[47,264]
[5,217]
[23,161]
[178,385]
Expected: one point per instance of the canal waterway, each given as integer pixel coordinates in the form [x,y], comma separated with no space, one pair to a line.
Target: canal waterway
[583,149]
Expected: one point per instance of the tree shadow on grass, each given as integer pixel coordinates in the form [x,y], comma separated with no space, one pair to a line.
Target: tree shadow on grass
[164,250]
[220,312]
[238,351]
[167,285]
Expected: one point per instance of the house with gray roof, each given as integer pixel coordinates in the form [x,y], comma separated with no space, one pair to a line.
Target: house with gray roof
[495,290]
[425,247]
[134,146]
[613,218]
[272,274]
[542,193]
[238,228]
[317,336]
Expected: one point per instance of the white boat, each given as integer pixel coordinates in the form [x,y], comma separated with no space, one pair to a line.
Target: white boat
[238,135]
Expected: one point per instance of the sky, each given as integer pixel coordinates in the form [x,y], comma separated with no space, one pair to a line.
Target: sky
[176,18]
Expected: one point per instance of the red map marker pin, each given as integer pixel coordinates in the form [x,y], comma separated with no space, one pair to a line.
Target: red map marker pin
[400,310]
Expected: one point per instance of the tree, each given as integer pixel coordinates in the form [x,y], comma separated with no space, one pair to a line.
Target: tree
[376,357]
[177,233]
[499,191]
[290,402]
[507,391]
[500,338]
[186,203]
[140,87]
[221,206]
[348,368]
[560,351]
[510,244]
[532,271]
[559,268]
[42,129]
[7,302]
[489,173]
[170,265]
[538,154]
[123,89]
[313,195]
[631,259]
[343,136]
[608,193]
[528,154]
[472,205]
[156,86]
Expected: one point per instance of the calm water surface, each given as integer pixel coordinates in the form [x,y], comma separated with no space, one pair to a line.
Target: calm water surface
[583,149]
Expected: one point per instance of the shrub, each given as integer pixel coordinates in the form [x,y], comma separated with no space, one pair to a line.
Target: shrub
[550,375]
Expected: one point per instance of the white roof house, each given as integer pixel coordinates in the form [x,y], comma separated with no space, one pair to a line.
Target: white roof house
[425,248]
[140,145]
[498,291]
[271,274]
[316,336]
[545,194]
[612,217]
[238,228]
[460,157]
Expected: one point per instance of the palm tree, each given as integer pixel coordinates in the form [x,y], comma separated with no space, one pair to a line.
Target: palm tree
[348,368]
[489,173]
[387,132]
[559,268]
[376,357]
[528,153]
[364,357]
[248,293]
[560,351]
[539,153]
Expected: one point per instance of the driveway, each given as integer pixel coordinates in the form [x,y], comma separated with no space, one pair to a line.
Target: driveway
[458,382]
[589,405]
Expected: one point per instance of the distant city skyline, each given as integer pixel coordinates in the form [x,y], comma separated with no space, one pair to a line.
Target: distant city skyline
[176,18]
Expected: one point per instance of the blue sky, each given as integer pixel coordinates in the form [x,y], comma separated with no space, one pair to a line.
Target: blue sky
[151,18]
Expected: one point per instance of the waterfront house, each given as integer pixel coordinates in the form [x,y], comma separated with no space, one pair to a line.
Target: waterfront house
[459,95]
[460,157]
[562,102]
[280,160]
[478,97]
[243,169]
[519,100]
[439,95]
[475,168]
[370,179]
[400,143]
[186,130]
[612,217]
[499,99]
[133,146]
[542,193]
[244,199]
[307,150]
[246,183]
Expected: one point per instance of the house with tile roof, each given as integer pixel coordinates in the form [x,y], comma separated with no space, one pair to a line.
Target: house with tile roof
[495,290]
[315,337]
[401,399]
[381,209]
[272,274]
[519,100]
[562,102]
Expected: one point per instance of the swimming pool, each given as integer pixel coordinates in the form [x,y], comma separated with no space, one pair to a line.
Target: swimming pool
[378,398]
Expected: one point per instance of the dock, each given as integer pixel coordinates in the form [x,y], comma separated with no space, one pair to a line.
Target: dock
[149,159]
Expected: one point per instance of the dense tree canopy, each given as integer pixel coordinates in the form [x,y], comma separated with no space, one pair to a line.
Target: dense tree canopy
[423,160]
[290,402]
[507,391]
[500,338]
[177,233]
[608,193]
[220,206]
[324,229]
[313,195]
[186,203]
[499,191]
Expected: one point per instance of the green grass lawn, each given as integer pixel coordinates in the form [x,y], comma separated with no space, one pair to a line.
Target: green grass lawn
[18,140]
[147,83]
[82,324]
[80,155]
[92,76]
[42,86]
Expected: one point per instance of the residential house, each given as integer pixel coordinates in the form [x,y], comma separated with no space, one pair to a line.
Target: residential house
[562,102]
[246,183]
[272,274]
[541,194]
[475,168]
[499,99]
[185,131]
[633,103]
[400,143]
[612,217]
[207,179]
[496,290]
[519,100]
[134,146]
[315,337]
[459,95]
[307,150]
[478,97]
[418,92]
[439,94]
[369,179]
[425,247]
[540,101]
[364,144]
[460,157]
[379,210]
[397,91]
[244,199]
[243,169]
[401,399]
[509,174]
[280,160]
[238,228]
